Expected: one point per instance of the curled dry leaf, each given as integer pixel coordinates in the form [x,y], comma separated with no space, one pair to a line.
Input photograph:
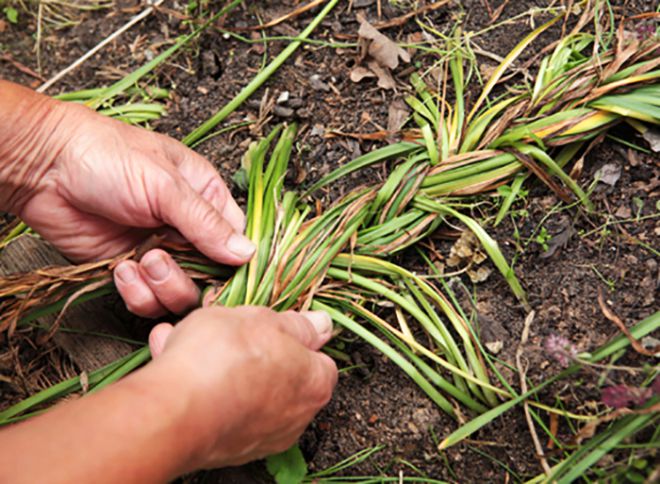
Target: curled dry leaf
[652,137]
[558,241]
[385,79]
[378,56]
[466,250]
[359,73]
[609,174]
[397,114]
[381,48]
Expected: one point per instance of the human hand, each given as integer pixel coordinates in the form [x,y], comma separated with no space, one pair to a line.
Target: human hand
[95,187]
[226,386]
[252,379]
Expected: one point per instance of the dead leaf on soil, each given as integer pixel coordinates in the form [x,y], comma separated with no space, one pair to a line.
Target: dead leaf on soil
[652,137]
[479,274]
[467,252]
[609,174]
[381,48]
[378,56]
[397,115]
[623,212]
[385,79]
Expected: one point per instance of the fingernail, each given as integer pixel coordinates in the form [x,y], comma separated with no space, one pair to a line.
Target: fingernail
[321,321]
[241,246]
[156,267]
[125,273]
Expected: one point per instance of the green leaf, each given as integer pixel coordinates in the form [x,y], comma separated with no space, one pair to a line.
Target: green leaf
[11,13]
[240,178]
[289,467]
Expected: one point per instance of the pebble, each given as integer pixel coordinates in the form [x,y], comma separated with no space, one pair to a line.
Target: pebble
[295,103]
[317,84]
[283,112]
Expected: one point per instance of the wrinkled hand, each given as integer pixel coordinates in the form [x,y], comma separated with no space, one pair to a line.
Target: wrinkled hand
[253,378]
[110,184]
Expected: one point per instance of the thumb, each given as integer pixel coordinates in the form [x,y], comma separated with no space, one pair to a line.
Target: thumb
[312,329]
[202,224]
[158,337]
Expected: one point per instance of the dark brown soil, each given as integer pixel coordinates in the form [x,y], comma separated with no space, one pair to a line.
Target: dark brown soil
[376,404]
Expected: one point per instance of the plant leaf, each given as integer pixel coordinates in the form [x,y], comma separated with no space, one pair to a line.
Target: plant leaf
[288,467]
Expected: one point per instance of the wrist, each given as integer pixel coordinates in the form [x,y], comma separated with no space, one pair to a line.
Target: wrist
[30,140]
[187,433]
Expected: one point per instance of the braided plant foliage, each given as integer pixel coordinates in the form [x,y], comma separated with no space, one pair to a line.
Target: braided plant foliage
[340,260]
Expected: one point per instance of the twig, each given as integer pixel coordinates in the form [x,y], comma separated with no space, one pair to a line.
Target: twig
[494,16]
[399,21]
[607,312]
[523,389]
[145,13]
[7,57]
[290,15]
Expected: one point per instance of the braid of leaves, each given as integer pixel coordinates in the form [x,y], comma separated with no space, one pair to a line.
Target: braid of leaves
[336,261]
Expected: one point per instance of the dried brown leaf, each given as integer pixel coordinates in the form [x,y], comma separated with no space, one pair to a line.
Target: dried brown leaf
[385,79]
[381,48]
[359,73]
[397,114]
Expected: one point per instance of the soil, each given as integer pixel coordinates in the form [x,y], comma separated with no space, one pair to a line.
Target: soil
[376,404]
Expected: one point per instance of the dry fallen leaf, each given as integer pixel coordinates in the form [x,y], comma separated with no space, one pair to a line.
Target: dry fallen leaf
[466,250]
[479,274]
[359,73]
[381,49]
[397,114]
[385,79]
[609,174]
[378,56]
[652,137]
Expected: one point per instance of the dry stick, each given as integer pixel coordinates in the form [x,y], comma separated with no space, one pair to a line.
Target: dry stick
[496,14]
[607,312]
[287,16]
[7,57]
[145,13]
[399,21]
[523,389]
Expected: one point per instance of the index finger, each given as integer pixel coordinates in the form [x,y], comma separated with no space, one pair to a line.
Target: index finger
[204,179]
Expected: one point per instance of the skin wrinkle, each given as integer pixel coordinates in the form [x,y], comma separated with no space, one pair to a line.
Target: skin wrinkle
[29,156]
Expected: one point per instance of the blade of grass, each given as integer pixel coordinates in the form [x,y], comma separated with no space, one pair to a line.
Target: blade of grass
[258,80]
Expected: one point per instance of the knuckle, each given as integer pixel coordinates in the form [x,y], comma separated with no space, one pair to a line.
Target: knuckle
[325,381]
[299,327]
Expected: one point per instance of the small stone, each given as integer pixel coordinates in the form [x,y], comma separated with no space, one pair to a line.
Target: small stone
[295,103]
[494,346]
[317,130]
[317,84]
[283,97]
[283,112]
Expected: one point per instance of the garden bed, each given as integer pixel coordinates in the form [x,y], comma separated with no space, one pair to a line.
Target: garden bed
[563,256]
